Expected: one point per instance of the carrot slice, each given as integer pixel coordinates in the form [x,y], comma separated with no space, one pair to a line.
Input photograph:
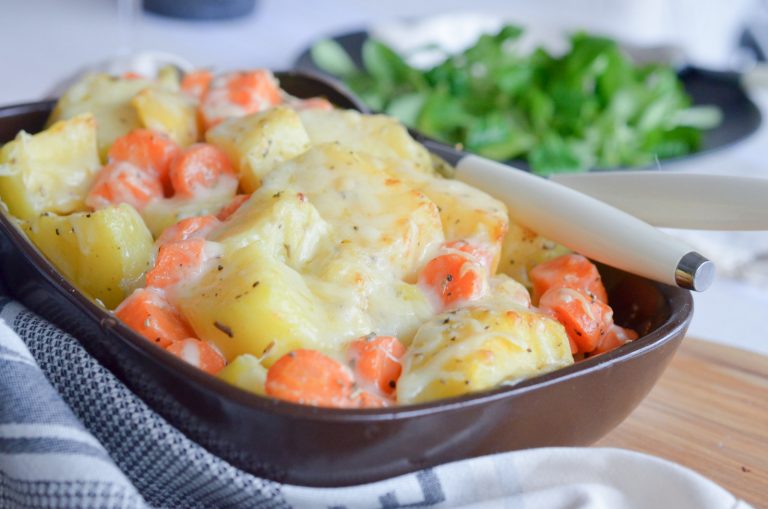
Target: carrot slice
[453,278]
[253,90]
[616,337]
[123,182]
[176,261]
[232,207]
[148,150]
[198,353]
[478,254]
[189,228]
[376,362]
[308,377]
[586,319]
[365,399]
[238,94]
[131,75]
[569,271]
[196,83]
[148,312]
[199,166]
[315,103]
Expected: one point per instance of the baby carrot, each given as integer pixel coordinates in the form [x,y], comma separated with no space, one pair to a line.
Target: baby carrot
[376,362]
[569,271]
[308,377]
[176,261]
[147,312]
[198,353]
[198,167]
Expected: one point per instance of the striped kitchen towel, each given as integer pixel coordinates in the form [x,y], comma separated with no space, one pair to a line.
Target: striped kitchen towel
[72,435]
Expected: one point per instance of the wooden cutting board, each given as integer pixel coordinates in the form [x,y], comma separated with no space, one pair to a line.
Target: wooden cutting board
[708,412]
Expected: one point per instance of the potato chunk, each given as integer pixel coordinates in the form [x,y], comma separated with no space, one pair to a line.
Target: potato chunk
[479,348]
[257,143]
[109,100]
[469,214]
[367,208]
[285,223]
[245,372]
[104,253]
[50,171]
[379,136]
[254,304]
[523,249]
[168,112]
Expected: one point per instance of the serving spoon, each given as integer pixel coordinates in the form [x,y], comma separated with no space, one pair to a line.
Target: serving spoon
[580,222]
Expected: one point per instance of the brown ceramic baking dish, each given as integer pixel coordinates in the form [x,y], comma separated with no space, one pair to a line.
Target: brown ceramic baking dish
[329,447]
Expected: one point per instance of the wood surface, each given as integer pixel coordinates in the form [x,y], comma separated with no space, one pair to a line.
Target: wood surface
[708,412]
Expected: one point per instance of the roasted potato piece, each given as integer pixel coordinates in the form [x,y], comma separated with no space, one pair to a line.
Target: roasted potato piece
[50,171]
[168,112]
[285,223]
[257,143]
[104,253]
[469,214]
[109,100]
[523,249]
[479,348]
[254,304]
[380,136]
[367,208]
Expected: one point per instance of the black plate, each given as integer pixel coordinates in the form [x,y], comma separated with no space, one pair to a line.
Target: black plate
[741,117]
[304,445]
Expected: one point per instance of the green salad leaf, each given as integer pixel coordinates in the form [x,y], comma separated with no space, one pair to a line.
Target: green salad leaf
[589,108]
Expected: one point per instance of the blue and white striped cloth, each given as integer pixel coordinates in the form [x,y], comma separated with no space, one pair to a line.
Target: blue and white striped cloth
[73,436]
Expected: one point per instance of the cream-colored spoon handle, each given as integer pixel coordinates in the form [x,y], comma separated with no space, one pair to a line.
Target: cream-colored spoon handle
[679,200]
[588,226]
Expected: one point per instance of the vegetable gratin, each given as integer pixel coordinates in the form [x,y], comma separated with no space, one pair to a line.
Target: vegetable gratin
[295,250]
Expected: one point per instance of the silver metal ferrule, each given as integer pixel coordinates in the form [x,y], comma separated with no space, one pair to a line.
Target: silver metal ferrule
[694,272]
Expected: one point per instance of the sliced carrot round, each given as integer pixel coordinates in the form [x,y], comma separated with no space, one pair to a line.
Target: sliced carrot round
[453,279]
[147,150]
[123,182]
[196,83]
[376,362]
[365,399]
[310,378]
[569,271]
[198,167]
[198,353]
[176,261]
[315,103]
[238,94]
[232,206]
[586,319]
[616,337]
[148,312]
[478,254]
[190,228]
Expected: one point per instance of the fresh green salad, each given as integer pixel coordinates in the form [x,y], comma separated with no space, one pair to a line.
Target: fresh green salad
[590,108]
